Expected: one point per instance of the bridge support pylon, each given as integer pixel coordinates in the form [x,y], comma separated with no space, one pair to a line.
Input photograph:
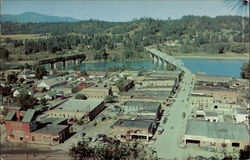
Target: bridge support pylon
[53,66]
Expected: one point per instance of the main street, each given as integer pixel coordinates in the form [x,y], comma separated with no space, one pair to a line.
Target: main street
[167,144]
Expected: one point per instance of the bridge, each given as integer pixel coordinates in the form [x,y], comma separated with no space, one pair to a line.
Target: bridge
[163,58]
[78,58]
[169,145]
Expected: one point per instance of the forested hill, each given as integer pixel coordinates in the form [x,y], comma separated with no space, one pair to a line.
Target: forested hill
[35,18]
[190,34]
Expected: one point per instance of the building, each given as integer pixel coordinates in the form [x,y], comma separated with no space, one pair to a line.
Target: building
[221,95]
[51,83]
[27,74]
[212,80]
[21,126]
[149,96]
[97,92]
[17,92]
[211,116]
[216,135]
[124,85]
[51,134]
[241,115]
[133,129]
[142,108]
[78,109]
[65,90]
[159,82]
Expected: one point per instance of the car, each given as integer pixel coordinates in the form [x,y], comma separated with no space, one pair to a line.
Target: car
[83,134]
[88,139]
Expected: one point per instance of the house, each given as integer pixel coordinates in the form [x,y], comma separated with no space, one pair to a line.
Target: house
[51,83]
[21,126]
[216,135]
[241,115]
[50,95]
[142,108]
[17,92]
[133,129]
[78,109]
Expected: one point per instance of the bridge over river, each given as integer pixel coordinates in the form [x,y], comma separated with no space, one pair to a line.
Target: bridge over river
[78,58]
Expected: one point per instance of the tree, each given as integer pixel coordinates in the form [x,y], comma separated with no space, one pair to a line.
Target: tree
[5,90]
[110,149]
[21,80]
[80,96]
[4,53]
[109,99]
[40,71]
[25,100]
[12,78]
[245,70]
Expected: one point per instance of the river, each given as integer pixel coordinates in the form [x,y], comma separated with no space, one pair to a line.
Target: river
[223,67]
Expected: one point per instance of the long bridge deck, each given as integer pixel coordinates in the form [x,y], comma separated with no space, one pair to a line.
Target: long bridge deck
[61,59]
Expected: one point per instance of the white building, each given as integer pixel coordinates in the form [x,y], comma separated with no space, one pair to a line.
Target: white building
[240,115]
[51,83]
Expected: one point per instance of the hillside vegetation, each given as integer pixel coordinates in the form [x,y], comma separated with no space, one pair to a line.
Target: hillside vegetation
[126,40]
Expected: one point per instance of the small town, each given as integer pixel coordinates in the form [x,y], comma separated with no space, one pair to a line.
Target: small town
[124,80]
[189,111]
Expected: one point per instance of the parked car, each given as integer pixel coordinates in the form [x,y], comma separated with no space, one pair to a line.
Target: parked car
[83,134]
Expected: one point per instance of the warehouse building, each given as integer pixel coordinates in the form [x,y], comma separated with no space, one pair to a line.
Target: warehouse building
[216,135]
[78,109]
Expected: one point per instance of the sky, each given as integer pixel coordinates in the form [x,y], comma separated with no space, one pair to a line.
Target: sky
[118,10]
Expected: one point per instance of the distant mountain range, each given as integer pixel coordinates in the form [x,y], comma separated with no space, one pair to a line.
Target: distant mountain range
[35,18]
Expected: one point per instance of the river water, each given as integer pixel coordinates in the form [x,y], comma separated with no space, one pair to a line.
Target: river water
[224,67]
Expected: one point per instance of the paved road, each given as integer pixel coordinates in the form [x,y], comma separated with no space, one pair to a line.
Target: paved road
[167,144]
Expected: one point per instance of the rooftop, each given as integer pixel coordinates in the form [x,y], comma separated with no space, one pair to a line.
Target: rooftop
[77,105]
[53,81]
[133,123]
[10,116]
[241,111]
[200,95]
[220,130]
[29,114]
[149,106]
[51,129]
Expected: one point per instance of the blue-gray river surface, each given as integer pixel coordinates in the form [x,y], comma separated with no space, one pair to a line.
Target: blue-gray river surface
[223,67]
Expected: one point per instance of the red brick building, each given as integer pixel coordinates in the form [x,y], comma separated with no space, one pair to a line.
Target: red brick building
[21,127]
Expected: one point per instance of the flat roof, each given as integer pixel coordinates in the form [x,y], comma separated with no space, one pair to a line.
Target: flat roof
[149,106]
[51,129]
[241,111]
[216,89]
[78,105]
[29,114]
[133,123]
[147,93]
[232,131]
